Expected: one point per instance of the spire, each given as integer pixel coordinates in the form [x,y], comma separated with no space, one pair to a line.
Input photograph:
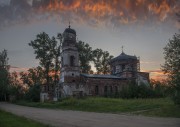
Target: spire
[69,24]
[122,49]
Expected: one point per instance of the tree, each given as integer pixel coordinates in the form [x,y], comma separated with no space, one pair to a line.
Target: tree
[33,93]
[33,76]
[97,54]
[85,56]
[57,53]
[16,88]
[4,75]
[44,48]
[172,64]
[101,61]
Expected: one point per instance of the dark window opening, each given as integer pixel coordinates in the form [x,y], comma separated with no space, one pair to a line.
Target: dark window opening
[123,67]
[111,89]
[48,87]
[73,80]
[96,90]
[77,86]
[114,70]
[116,89]
[71,60]
[72,74]
[62,61]
[105,90]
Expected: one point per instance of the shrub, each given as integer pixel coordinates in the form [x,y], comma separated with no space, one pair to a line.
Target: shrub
[33,93]
[141,91]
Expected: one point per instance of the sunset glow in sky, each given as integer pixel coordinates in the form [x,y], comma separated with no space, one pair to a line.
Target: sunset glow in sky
[143,27]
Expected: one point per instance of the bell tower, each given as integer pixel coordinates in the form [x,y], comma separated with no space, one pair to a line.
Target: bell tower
[70,70]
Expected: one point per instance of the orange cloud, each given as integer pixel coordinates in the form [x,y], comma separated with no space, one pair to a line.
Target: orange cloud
[115,12]
[121,11]
[157,74]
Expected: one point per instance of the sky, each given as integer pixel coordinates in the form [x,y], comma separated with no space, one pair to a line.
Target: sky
[142,27]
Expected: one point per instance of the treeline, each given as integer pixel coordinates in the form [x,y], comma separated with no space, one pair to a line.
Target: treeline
[156,89]
[47,50]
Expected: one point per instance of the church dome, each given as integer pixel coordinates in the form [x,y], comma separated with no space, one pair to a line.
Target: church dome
[123,57]
[69,30]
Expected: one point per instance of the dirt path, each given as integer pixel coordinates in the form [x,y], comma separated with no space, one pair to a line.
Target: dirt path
[60,118]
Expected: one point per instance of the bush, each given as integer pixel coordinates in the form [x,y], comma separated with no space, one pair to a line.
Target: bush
[140,91]
[34,93]
[176,97]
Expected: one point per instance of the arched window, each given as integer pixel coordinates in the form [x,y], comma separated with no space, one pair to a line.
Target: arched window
[114,69]
[111,89]
[71,60]
[96,90]
[116,89]
[105,90]
[62,61]
[123,67]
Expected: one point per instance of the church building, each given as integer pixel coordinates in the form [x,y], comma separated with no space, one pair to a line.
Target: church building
[124,68]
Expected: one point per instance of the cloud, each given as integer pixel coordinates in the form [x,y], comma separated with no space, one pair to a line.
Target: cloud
[18,69]
[92,12]
[157,74]
[148,62]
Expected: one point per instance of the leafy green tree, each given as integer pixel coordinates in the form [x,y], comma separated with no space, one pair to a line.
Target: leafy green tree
[57,53]
[101,61]
[97,55]
[85,56]
[172,64]
[44,48]
[4,75]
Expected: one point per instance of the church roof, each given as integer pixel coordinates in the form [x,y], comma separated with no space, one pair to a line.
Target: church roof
[69,30]
[100,76]
[124,56]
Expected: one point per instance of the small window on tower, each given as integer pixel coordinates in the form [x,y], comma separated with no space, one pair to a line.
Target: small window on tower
[71,60]
[62,61]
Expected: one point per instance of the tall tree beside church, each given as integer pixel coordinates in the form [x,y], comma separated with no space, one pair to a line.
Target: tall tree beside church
[44,48]
[101,61]
[172,64]
[85,56]
[4,74]
[57,53]
[97,55]
[105,62]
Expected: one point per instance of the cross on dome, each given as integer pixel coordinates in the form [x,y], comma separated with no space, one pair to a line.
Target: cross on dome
[122,49]
[69,24]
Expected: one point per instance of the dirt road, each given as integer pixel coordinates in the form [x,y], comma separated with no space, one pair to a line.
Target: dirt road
[60,118]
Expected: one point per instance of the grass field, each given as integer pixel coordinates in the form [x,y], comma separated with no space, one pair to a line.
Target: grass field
[161,107]
[10,120]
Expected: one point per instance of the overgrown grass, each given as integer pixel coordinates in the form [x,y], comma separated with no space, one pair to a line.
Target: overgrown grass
[10,120]
[162,107]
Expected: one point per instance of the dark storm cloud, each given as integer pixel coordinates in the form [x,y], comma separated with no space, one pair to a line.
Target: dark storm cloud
[16,11]
[92,12]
